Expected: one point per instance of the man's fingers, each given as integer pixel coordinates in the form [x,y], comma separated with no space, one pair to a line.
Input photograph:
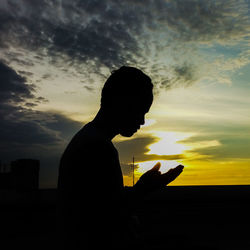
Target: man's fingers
[156,167]
[172,173]
[175,170]
[180,167]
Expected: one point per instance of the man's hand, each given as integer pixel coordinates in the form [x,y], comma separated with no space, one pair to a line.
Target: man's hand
[153,179]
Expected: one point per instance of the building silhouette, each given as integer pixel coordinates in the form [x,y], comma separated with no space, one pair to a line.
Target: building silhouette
[23,175]
[5,177]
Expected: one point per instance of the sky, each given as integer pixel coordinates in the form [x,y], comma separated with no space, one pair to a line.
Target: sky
[56,55]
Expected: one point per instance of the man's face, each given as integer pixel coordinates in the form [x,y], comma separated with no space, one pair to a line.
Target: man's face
[132,117]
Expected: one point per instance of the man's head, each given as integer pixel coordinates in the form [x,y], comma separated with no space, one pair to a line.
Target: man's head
[127,96]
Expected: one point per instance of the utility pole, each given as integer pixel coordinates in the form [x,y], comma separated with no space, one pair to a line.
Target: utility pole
[133,170]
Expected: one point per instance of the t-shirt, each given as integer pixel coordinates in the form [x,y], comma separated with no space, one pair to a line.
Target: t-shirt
[92,202]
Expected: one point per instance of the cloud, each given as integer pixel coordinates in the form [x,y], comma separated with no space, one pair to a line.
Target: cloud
[206,21]
[24,129]
[24,126]
[89,88]
[127,169]
[223,146]
[62,124]
[13,87]
[88,35]
[26,133]
[180,75]
[137,147]
[80,31]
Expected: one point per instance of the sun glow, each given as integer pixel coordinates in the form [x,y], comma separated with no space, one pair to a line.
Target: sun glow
[147,165]
[148,122]
[168,143]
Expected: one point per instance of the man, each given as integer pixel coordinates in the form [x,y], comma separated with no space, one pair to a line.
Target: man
[93,202]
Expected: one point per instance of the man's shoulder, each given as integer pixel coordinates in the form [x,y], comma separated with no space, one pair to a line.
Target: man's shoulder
[90,133]
[89,136]
[88,141]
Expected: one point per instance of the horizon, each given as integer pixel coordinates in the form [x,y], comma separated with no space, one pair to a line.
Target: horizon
[235,185]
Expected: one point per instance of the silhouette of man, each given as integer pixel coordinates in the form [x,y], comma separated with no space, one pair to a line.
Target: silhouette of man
[93,203]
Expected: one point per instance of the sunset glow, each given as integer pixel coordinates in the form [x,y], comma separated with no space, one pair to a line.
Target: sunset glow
[147,165]
[168,143]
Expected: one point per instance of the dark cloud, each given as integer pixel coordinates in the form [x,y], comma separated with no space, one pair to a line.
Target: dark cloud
[80,30]
[89,88]
[25,132]
[205,21]
[113,33]
[46,76]
[40,99]
[127,169]
[13,87]
[184,72]
[25,126]
[18,58]
[25,73]
[30,104]
[63,125]
[180,75]
[137,147]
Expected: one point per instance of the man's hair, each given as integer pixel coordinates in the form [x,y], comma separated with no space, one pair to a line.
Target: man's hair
[126,84]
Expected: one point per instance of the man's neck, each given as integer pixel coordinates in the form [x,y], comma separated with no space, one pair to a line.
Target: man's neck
[104,121]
